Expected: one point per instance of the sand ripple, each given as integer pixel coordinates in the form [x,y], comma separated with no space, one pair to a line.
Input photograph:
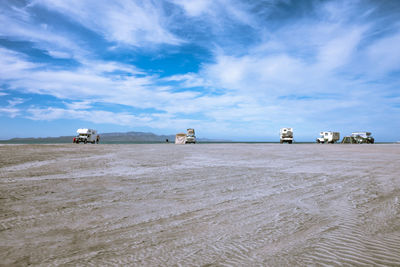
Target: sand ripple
[215,205]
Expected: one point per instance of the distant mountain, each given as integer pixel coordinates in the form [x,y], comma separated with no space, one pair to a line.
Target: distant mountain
[135,137]
[39,140]
[128,137]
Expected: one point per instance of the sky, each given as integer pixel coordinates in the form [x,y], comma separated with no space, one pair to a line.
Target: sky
[231,69]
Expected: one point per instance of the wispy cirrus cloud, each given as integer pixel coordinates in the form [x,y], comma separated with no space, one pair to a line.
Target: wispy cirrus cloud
[128,22]
[218,11]
[95,116]
[384,55]
[22,26]
[11,108]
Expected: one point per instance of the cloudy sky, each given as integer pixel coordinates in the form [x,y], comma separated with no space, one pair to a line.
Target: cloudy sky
[231,69]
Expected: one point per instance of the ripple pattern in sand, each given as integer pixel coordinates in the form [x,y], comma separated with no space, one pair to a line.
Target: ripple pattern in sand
[216,205]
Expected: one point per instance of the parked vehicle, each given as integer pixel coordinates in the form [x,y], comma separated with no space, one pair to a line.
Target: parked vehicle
[190,136]
[86,136]
[180,139]
[328,137]
[363,137]
[359,138]
[286,135]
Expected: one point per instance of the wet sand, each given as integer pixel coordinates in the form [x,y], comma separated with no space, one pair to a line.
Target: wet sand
[205,204]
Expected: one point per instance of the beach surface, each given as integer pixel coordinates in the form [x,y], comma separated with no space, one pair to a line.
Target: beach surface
[200,205]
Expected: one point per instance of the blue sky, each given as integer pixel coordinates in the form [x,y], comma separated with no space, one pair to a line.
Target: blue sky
[236,70]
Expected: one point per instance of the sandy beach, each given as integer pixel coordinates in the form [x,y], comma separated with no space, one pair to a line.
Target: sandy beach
[200,205]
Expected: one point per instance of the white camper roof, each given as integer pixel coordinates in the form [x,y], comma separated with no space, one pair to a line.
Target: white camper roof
[329,132]
[363,134]
[286,129]
[86,131]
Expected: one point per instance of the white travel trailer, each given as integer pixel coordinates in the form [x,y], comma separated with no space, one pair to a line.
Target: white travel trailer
[180,139]
[286,135]
[86,136]
[328,137]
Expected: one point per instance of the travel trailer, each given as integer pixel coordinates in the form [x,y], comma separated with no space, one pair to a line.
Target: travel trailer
[86,136]
[286,135]
[190,137]
[328,137]
[180,139]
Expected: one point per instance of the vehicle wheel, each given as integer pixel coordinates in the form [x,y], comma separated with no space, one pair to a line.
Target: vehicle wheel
[318,141]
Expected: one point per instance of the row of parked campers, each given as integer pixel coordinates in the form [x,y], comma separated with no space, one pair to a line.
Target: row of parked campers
[86,136]
[286,136]
[355,138]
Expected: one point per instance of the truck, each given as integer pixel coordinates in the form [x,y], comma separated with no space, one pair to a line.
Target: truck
[359,138]
[86,136]
[286,135]
[190,136]
[328,137]
[363,137]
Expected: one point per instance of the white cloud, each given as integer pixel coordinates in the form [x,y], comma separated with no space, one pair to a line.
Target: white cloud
[21,26]
[96,116]
[215,11]
[79,105]
[59,54]
[16,101]
[10,111]
[385,55]
[94,82]
[195,7]
[132,22]
[188,80]
[12,64]
[339,50]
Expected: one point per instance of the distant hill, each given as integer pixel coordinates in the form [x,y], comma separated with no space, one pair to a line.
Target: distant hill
[135,137]
[40,140]
[127,137]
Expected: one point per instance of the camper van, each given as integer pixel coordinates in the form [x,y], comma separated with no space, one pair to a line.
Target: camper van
[363,137]
[328,137]
[359,138]
[86,136]
[190,137]
[286,135]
